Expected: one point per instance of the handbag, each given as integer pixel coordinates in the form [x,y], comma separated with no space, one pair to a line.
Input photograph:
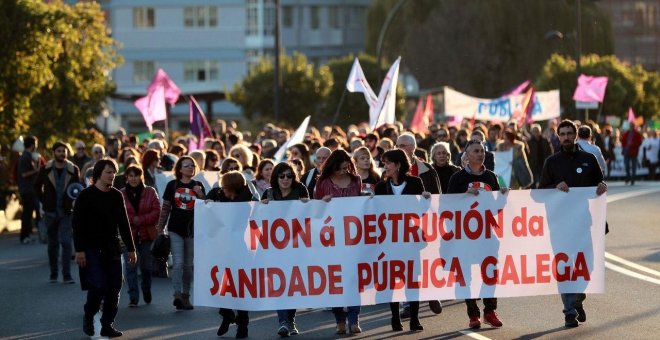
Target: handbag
[160,249]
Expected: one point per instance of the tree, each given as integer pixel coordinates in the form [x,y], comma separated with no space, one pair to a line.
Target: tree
[355,109]
[625,86]
[483,48]
[54,67]
[305,88]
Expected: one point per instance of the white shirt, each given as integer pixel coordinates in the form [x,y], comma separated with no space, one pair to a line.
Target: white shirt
[594,150]
[398,189]
[652,146]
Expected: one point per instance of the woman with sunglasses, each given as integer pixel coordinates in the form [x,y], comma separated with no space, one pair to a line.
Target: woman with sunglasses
[339,178]
[178,213]
[473,179]
[398,182]
[285,186]
[233,188]
[244,156]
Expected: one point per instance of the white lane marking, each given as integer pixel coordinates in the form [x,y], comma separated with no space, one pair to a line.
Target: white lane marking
[630,194]
[631,273]
[630,264]
[474,335]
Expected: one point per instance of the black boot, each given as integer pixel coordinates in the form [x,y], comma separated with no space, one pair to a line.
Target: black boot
[242,332]
[108,331]
[88,325]
[396,319]
[224,326]
[415,325]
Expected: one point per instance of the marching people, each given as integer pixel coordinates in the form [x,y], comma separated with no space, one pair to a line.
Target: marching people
[51,189]
[630,142]
[178,215]
[262,177]
[568,168]
[311,176]
[27,170]
[396,166]
[233,188]
[366,169]
[285,186]
[472,179]
[99,217]
[143,208]
[441,158]
[340,179]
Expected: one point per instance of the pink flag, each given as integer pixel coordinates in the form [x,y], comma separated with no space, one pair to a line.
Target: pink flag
[152,106]
[631,115]
[518,89]
[590,89]
[172,91]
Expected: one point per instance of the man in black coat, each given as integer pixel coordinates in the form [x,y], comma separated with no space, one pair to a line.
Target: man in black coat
[51,189]
[572,167]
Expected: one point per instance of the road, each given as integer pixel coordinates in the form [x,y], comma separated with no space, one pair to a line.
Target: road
[630,307]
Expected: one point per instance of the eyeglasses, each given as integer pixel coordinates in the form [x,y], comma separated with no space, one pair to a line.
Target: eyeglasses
[283,176]
[188,166]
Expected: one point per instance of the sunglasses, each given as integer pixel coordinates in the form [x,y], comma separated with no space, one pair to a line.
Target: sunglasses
[283,176]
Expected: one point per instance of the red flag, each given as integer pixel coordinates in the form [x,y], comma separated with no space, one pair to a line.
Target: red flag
[528,105]
[423,115]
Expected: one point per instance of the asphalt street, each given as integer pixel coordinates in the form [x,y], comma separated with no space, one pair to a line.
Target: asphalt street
[629,309]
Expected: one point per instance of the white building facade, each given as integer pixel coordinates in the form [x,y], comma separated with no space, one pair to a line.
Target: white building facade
[206,46]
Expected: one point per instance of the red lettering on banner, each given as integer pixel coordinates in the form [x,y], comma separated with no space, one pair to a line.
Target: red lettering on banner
[290,234]
[489,261]
[581,268]
[216,284]
[398,274]
[370,229]
[410,227]
[566,275]
[429,233]
[524,278]
[542,268]
[521,225]
[274,282]
[349,239]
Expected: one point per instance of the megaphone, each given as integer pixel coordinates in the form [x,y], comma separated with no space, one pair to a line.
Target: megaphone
[73,190]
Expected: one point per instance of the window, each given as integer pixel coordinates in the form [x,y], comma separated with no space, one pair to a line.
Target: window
[314,20]
[269,17]
[201,71]
[200,16]
[287,16]
[357,16]
[252,57]
[252,12]
[143,17]
[334,17]
[143,71]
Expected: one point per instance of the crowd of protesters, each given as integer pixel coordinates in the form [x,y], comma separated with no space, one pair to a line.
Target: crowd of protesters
[329,163]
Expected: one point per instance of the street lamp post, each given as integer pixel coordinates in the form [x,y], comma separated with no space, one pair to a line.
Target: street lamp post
[383,31]
[278,77]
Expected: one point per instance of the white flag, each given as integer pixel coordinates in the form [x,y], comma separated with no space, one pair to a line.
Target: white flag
[383,111]
[357,82]
[297,137]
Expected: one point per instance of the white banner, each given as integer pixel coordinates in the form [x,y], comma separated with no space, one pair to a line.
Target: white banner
[209,179]
[546,106]
[364,251]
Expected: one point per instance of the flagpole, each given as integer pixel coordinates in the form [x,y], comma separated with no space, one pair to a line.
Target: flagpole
[167,124]
[341,102]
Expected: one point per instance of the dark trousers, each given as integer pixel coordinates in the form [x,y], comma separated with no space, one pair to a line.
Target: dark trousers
[59,234]
[490,305]
[414,310]
[242,319]
[104,278]
[29,202]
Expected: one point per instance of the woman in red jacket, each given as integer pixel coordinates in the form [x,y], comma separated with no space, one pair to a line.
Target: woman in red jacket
[143,209]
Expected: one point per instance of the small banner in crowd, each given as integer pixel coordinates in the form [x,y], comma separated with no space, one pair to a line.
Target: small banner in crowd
[545,106]
[364,251]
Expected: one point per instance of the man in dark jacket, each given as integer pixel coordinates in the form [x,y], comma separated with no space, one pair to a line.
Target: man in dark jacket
[51,190]
[572,167]
[27,171]
[310,177]
[539,150]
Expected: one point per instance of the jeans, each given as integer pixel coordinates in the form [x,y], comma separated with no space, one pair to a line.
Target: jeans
[571,300]
[631,164]
[286,316]
[490,305]
[182,262]
[353,314]
[59,234]
[103,275]
[145,263]
[29,203]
